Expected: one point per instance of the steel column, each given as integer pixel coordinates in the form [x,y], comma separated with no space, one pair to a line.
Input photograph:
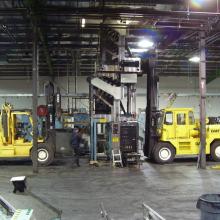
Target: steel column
[202,88]
[93,140]
[35,73]
[121,48]
[68,89]
[75,67]
[128,99]
[116,110]
[133,99]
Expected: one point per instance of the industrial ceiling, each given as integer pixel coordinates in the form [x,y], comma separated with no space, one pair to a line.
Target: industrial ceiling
[67,48]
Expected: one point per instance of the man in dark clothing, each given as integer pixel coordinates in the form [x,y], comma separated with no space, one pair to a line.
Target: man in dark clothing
[76,140]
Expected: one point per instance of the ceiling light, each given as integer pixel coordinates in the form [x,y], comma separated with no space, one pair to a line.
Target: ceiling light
[145,43]
[83,22]
[126,22]
[194,59]
[139,50]
[198,3]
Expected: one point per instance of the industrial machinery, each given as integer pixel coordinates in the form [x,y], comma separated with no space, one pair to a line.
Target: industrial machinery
[177,134]
[100,137]
[122,127]
[113,96]
[54,129]
[16,136]
[129,142]
[26,206]
[174,131]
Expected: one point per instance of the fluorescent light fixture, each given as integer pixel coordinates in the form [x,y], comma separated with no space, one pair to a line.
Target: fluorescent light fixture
[139,50]
[145,43]
[83,22]
[126,22]
[194,59]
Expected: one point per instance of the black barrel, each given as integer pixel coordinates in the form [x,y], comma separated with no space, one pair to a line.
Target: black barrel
[209,205]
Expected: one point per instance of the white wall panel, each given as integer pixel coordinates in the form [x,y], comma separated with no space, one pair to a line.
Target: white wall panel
[186,86]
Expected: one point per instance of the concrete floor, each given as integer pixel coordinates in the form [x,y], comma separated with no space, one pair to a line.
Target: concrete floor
[172,190]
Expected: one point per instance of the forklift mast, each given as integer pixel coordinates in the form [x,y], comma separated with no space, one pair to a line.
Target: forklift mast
[49,92]
[5,128]
[151,137]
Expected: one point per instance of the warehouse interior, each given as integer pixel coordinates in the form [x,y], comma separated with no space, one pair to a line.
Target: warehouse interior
[109,109]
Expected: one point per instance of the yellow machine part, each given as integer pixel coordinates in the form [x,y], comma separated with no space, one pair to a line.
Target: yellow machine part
[184,135]
[11,145]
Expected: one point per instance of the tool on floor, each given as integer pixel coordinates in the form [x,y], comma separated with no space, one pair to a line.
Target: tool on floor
[116,158]
[150,214]
[104,213]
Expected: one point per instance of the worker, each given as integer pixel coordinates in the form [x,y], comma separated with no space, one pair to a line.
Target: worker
[75,142]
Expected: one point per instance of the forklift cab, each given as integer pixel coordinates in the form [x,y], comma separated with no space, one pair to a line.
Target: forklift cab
[178,135]
[16,133]
[179,123]
[16,136]
[22,127]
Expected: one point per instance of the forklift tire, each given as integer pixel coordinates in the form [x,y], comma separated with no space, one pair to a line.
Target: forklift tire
[215,151]
[163,153]
[45,155]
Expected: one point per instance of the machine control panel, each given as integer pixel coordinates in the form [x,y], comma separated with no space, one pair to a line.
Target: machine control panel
[115,135]
[128,136]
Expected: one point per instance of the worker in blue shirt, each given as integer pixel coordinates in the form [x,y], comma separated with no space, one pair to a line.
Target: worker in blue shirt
[75,142]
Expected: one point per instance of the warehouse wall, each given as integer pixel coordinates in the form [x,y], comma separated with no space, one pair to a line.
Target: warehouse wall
[82,86]
[19,86]
[24,86]
[187,89]
[186,86]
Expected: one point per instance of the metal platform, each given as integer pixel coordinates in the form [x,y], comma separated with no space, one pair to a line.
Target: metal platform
[24,201]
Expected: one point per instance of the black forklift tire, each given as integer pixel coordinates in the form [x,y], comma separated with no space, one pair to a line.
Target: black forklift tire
[163,153]
[45,155]
[215,151]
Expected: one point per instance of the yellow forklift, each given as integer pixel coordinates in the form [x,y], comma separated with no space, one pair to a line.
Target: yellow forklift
[174,132]
[177,133]
[16,137]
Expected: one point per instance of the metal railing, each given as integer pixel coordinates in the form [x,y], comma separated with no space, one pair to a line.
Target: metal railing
[150,214]
[104,213]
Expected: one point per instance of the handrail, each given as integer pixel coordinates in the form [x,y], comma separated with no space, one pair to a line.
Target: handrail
[150,214]
[7,206]
[104,213]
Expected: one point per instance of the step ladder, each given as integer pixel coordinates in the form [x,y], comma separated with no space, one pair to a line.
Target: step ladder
[116,158]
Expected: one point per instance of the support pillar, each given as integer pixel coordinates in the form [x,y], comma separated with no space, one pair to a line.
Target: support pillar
[116,111]
[202,88]
[121,48]
[133,100]
[35,73]
[128,99]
